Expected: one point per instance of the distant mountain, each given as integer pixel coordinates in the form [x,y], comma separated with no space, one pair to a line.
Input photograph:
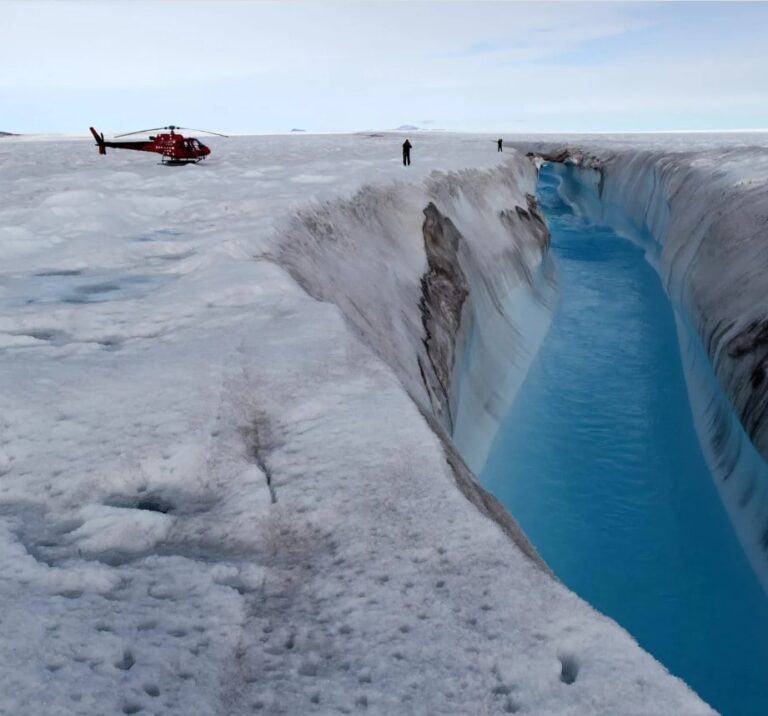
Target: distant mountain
[7,134]
[408,127]
[297,130]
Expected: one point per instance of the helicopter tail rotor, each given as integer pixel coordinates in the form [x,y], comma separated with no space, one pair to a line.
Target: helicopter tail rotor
[99,141]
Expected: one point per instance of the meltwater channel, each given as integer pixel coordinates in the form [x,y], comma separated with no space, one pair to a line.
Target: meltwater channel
[599,461]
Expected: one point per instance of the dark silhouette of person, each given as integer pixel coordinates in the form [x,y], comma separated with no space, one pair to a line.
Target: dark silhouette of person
[498,145]
[406,153]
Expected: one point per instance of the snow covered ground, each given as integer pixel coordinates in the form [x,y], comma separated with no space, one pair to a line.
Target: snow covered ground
[217,495]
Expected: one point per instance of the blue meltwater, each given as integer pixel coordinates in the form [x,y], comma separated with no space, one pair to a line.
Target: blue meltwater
[599,461]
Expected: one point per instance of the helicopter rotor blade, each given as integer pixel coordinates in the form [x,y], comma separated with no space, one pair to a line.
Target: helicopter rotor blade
[206,131]
[143,131]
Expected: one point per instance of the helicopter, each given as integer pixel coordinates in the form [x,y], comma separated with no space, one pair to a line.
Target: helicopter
[176,149]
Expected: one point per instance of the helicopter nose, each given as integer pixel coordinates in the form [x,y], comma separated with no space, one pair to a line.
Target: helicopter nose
[206,151]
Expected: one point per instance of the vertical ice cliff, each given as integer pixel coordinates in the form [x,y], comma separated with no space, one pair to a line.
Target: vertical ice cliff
[469,250]
[702,218]
[454,298]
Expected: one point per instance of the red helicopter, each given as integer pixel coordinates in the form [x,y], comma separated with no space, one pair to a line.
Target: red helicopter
[176,149]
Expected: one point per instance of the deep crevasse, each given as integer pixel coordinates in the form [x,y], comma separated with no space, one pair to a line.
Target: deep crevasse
[337,249]
[600,461]
[700,219]
[698,224]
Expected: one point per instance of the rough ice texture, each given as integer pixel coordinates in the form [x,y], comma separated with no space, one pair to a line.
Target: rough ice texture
[219,495]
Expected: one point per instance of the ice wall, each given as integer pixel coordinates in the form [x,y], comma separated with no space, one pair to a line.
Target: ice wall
[701,218]
[468,250]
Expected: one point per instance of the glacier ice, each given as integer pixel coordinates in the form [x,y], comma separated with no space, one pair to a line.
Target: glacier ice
[227,488]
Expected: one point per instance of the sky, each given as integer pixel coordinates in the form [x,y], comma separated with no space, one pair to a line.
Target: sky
[260,66]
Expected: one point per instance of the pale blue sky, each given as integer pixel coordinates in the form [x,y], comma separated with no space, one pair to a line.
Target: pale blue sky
[269,66]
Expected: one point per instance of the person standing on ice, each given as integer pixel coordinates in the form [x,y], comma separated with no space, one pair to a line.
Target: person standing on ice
[406,153]
[498,145]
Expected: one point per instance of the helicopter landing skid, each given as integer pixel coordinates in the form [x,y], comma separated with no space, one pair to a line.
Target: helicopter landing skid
[170,162]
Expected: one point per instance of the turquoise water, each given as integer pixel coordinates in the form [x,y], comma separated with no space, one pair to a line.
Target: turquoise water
[599,461]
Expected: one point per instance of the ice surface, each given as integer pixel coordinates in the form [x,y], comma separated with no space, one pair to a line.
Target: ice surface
[216,494]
